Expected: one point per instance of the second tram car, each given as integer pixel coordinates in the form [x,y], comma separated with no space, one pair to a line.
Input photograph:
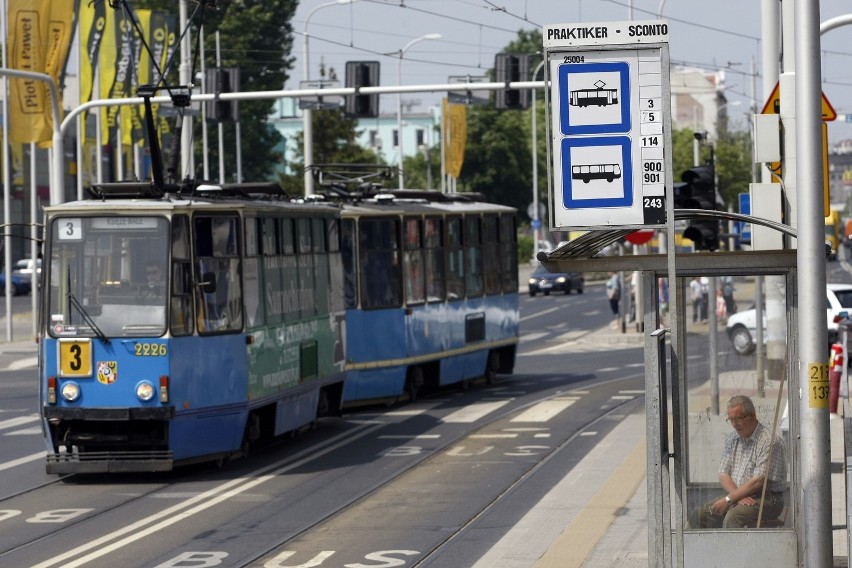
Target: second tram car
[431,292]
[184,328]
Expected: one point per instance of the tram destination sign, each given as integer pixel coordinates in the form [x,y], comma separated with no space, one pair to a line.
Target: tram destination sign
[609,105]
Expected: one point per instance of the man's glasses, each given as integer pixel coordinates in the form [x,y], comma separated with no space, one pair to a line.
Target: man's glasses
[737,419]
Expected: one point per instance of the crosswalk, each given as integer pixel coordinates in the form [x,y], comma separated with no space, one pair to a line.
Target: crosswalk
[538,413]
[577,341]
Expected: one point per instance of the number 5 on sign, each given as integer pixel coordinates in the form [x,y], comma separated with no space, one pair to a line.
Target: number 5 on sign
[75,358]
[817,385]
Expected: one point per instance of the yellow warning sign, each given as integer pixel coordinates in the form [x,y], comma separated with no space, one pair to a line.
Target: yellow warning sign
[773,105]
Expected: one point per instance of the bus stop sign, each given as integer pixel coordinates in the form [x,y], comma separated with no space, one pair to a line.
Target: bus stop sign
[610,123]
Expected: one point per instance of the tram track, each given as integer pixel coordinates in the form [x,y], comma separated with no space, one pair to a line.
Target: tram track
[374,489]
[98,550]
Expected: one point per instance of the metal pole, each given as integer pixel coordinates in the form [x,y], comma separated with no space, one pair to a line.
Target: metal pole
[399,135]
[185,69]
[810,256]
[34,276]
[205,153]
[220,128]
[536,221]
[308,132]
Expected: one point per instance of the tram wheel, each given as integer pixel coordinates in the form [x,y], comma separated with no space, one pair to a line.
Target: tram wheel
[491,368]
[413,383]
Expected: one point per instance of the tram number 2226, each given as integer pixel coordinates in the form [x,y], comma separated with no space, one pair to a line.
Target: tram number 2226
[151,350]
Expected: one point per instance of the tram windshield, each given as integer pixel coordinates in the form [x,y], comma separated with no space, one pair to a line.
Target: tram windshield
[108,275]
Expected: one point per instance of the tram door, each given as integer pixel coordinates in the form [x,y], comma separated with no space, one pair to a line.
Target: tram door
[717,385]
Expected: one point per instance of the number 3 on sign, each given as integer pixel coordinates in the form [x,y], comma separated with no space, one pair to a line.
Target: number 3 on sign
[818,385]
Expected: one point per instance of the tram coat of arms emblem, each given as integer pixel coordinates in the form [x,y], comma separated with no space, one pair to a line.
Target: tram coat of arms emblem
[107,372]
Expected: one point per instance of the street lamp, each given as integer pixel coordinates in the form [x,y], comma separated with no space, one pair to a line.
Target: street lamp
[307,134]
[399,97]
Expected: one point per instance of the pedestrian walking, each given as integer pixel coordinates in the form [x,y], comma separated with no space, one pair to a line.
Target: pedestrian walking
[613,294]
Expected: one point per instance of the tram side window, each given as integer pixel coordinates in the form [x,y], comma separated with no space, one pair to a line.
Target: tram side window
[181,299]
[455,259]
[220,298]
[290,282]
[252,280]
[415,285]
[491,255]
[272,269]
[433,243]
[335,268]
[307,270]
[379,269]
[508,253]
[473,255]
[347,253]
[320,258]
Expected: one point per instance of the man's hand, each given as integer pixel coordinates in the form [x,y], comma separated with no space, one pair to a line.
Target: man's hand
[719,507]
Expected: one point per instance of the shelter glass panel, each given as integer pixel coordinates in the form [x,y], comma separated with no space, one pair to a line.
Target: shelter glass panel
[737,465]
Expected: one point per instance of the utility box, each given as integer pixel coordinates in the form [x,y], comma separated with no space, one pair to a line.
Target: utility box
[767,138]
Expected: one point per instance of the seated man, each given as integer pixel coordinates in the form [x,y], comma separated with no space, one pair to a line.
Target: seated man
[750,455]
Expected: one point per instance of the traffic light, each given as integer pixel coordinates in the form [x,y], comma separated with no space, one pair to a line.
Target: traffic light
[511,68]
[362,74]
[222,80]
[698,191]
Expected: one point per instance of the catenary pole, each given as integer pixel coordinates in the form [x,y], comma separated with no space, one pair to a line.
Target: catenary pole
[812,334]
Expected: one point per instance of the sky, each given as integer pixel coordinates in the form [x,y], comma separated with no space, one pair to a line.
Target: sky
[717,35]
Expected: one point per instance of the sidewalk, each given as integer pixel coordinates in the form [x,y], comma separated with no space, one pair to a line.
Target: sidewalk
[597,516]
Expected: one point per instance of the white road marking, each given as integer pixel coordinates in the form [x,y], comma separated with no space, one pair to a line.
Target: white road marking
[545,410]
[25,363]
[23,460]
[473,412]
[541,313]
[416,437]
[18,421]
[147,526]
[24,432]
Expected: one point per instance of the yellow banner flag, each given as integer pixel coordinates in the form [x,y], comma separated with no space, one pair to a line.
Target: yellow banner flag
[39,39]
[454,131]
[106,71]
[28,98]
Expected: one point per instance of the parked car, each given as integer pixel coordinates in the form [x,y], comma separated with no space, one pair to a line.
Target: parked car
[21,284]
[741,326]
[544,281]
[25,266]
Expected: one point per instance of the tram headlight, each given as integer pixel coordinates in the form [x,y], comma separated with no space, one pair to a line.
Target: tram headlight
[70,391]
[145,391]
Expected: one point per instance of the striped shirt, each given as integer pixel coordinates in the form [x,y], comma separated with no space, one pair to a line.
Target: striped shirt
[745,458]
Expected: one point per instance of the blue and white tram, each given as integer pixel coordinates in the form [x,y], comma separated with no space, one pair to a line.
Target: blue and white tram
[431,293]
[180,328]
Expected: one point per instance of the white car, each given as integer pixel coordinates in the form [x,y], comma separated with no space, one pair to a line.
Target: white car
[741,326]
[25,266]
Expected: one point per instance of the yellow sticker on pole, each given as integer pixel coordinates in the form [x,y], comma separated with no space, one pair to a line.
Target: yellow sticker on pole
[817,385]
